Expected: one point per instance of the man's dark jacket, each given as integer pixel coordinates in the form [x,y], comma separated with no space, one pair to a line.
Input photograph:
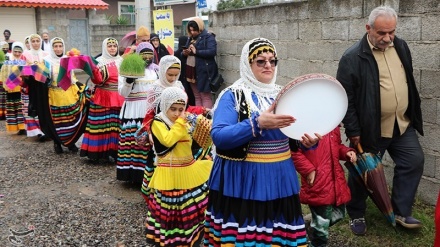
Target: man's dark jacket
[359,75]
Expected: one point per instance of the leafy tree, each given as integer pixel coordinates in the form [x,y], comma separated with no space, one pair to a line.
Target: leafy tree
[236,4]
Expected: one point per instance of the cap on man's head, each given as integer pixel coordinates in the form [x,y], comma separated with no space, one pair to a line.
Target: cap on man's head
[142,31]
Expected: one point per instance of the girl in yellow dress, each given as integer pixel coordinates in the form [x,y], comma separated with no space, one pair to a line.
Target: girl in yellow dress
[178,189]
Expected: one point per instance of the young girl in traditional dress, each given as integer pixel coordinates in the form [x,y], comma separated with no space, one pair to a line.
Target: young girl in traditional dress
[169,71]
[178,196]
[101,135]
[14,106]
[33,56]
[131,157]
[65,111]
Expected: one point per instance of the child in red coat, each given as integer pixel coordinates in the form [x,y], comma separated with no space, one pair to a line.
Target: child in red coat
[323,184]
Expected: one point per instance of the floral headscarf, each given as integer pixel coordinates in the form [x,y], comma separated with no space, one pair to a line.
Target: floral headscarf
[170,96]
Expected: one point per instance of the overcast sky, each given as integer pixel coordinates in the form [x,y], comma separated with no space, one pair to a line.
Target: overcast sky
[212,4]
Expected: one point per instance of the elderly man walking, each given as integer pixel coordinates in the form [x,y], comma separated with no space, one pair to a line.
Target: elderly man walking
[383,113]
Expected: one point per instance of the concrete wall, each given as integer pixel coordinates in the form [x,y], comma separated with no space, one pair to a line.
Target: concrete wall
[53,20]
[311,36]
[100,32]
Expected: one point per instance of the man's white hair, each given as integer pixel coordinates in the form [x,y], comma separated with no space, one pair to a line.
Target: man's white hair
[381,11]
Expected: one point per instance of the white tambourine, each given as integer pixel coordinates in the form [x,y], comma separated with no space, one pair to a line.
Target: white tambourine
[318,102]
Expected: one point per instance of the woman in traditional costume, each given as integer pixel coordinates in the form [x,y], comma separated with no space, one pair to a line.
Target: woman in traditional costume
[101,136]
[5,50]
[254,189]
[132,157]
[14,105]
[29,97]
[178,198]
[66,113]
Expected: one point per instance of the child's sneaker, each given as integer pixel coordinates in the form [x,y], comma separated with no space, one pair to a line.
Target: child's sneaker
[358,226]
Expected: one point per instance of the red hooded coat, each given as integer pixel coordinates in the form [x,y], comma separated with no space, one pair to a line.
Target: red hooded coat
[330,186]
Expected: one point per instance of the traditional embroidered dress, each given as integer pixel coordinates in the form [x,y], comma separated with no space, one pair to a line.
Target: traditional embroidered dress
[153,98]
[67,109]
[14,106]
[253,198]
[3,93]
[132,157]
[32,56]
[2,103]
[100,139]
[178,197]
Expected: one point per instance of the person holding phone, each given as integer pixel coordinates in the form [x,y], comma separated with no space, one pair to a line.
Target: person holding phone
[200,51]
[182,78]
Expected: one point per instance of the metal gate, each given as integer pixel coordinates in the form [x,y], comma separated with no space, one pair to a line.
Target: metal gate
[79,35]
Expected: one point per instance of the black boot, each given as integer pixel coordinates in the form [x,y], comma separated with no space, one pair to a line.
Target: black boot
[21,132]
[41,138]
[58,149]
[73,148]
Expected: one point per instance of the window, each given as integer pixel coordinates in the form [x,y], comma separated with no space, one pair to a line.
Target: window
[126,9]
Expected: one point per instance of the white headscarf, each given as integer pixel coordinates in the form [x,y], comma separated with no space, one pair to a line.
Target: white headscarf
[248,84]
[52,57]
[162,83]
[105,57]
[33,36]
[36,55]
[28,39]
[168,97]
[16,44]
[52,61]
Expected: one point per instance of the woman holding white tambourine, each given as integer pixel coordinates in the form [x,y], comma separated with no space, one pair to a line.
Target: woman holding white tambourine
[253,184]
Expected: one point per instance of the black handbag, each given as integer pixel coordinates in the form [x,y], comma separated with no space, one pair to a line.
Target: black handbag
[216,83]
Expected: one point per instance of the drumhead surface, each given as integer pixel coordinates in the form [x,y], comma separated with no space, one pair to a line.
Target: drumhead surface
[318,102]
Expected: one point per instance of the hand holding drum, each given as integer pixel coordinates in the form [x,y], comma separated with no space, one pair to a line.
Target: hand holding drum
[316,102]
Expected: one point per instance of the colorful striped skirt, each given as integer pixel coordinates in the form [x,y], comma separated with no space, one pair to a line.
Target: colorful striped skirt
[14,112]
[101,135]
[176,217]
[69,121]
[148,174]
[31,121]
[2,103]
[132,157]
[238,222]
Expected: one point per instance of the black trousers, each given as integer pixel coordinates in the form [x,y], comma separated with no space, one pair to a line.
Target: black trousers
[407,154]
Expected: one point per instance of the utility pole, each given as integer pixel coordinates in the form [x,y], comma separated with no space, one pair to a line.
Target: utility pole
[143,13]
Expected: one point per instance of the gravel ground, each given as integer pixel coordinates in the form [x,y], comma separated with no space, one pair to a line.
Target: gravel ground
[63,200]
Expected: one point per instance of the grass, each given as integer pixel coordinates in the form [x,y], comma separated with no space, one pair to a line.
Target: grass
[381,233]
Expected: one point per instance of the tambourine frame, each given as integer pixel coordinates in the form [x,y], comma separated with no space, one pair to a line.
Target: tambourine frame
[318,102]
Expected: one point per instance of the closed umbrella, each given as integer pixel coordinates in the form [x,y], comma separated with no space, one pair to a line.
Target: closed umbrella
[368,170]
